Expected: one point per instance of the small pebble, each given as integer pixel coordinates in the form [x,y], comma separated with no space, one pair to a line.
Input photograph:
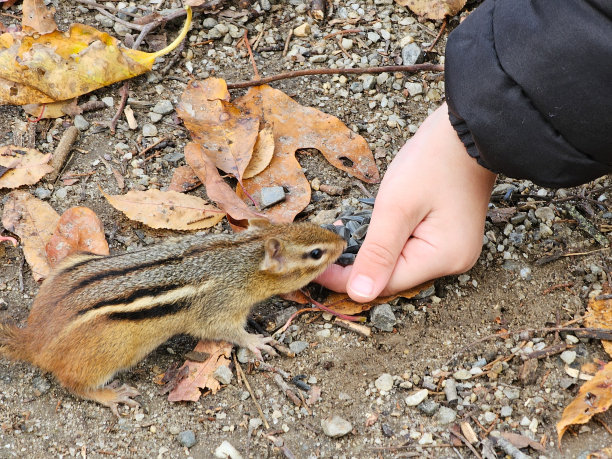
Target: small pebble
[223,374]
[411,54]
[271,195]
[417,397]
[335,426]
[446,415]
[226,451]
[163,107]
[324,333]
[42,193]
[298,346]
[568,356]
[384,382]
[61,193]
[506,411]
[149,130]
[462,374]
[429,407]
[512,393]
[489,417]
[382,317]
[108,101]
[426,439]
[81,123]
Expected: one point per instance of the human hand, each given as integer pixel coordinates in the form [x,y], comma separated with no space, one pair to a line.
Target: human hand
[428,219]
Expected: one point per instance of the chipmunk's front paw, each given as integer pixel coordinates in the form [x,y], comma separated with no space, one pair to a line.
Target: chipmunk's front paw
[258,343]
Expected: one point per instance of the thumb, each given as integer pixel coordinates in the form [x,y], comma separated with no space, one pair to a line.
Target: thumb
[377,257]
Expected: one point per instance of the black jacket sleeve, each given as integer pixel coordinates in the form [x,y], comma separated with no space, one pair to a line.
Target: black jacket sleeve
[529,88]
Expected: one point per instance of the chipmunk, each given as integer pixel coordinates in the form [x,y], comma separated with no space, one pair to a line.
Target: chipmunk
[97,315]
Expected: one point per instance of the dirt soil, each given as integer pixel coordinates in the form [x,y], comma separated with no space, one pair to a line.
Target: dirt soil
[38,418]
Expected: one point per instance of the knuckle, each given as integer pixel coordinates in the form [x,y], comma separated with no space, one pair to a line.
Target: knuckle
[378,254]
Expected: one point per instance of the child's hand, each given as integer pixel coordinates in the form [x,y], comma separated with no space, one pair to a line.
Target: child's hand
[428,219]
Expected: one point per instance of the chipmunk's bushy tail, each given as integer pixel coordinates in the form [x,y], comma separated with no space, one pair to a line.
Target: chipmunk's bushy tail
[12,342]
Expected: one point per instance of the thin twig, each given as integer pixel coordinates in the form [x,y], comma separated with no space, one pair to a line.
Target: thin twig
[344,71]
[287,40]
[124,91]
[102,10]
[150,147]
[248,386]
[248,47]
[342,32]
[431,47]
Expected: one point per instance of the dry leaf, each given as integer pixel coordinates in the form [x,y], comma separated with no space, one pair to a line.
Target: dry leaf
[433,9]
[262,153]
[52,110]
[37,17]
[599,316]
[26,166]
[216,188]
[7,3]
[521,441]
[55,66]
[166,209]
[297,127]
[225,134]
[184,179]
[79,230]
[595,396]
[341,302]
[34,222]
[201,373]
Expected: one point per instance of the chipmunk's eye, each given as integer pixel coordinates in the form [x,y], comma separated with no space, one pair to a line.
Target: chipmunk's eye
[316,254]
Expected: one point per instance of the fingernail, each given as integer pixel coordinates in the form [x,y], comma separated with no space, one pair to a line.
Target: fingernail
[362,285]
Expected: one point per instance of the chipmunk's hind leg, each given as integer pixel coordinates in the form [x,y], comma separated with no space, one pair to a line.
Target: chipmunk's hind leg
[111,395]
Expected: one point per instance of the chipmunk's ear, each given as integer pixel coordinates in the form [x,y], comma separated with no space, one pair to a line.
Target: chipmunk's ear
[258,223]
[273,261]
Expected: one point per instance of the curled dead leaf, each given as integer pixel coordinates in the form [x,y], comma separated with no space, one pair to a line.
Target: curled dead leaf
[79,230]
[34,221]
[25,166]
[223,132]
[262,153]
[216,188]
[201,373]
[166,209]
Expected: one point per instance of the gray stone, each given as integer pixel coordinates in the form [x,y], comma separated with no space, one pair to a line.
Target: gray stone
[545,230]
[187,438]
[174,157]
[384,382]
[223,29]
[108,101]
[356,87]
[226,451]
[149,130]
[235,31]
[568,357]
[429,407]
[417,397]
[446,415]
[525,273]
[382,78]
[373,37]
[545,214]
[411,54]
[223,374]
[42,193]
[60,193]
[518,218]
[506,411]
[41,385]
[298,346]
[265,5]
[81,123]
[120,29]
[369,81]
[104,21]
[209,23]
[450,390]
[414,88]
[163,107]
[512,393]
[318,58]
[271,195]
[347,43]
[335,426]
[462,374]
[243,355]
[155,117]
[382,317]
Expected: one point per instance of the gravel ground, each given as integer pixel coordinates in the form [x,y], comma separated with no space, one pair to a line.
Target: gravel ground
[394,394]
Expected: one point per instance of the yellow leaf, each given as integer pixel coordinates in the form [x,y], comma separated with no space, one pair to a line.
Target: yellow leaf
[26,166]
[595,396]
[167,209]
[57,66]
